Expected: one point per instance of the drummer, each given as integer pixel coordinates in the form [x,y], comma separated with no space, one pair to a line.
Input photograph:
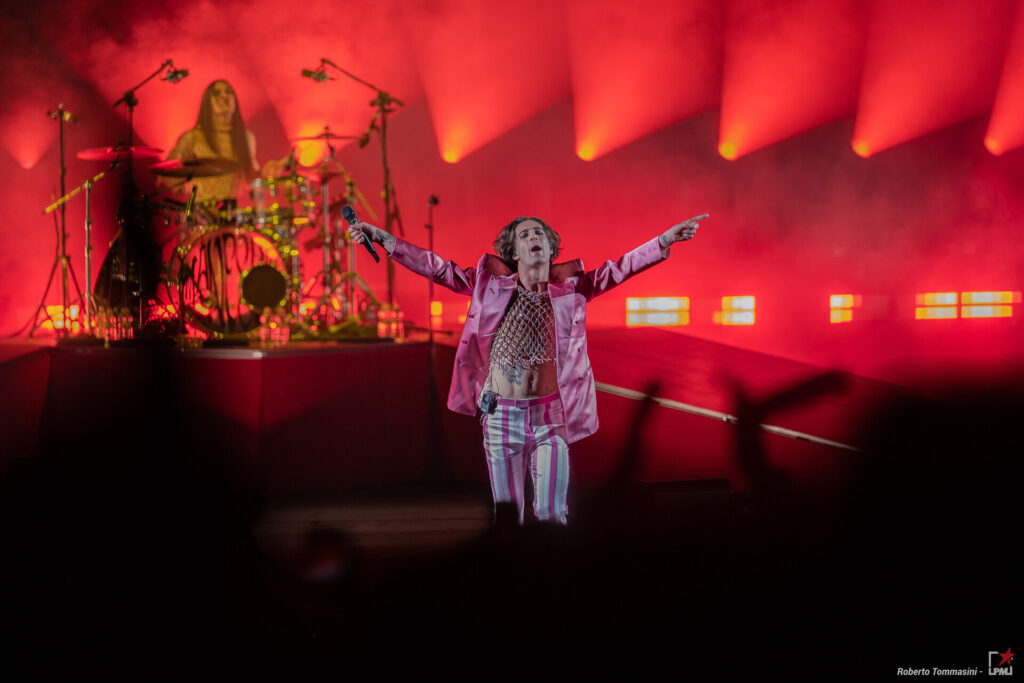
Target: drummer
[220,132]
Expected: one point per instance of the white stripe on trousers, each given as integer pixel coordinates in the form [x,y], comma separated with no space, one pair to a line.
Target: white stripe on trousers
[529,430]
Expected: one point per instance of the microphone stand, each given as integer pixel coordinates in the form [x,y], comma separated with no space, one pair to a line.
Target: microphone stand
[131,191]
[439,466]
[130,101]
[385,104]
[60,115]
[430,281]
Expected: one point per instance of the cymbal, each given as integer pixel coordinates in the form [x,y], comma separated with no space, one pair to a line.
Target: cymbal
[194,168]
[327,135]
[325,170]
[118,152]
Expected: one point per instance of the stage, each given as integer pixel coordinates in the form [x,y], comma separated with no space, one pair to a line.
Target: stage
[311,417]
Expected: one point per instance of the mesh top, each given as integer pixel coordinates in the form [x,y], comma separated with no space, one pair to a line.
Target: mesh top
[526,334]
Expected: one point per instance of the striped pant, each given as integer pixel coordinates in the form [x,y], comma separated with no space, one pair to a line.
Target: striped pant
[522,431]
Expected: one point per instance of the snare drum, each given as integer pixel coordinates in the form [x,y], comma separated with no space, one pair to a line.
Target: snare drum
[222,277]
[282,205]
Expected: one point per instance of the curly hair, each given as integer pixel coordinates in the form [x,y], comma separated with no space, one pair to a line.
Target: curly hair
[505,244]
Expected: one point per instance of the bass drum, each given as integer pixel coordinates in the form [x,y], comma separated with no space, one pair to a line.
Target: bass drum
[222,277]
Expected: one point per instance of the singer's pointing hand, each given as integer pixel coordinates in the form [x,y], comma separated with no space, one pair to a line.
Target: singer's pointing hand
[681,231]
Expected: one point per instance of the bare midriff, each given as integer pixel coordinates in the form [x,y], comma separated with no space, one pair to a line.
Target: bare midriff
[537,380]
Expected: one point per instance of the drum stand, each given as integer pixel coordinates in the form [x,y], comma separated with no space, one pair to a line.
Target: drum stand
[337,282]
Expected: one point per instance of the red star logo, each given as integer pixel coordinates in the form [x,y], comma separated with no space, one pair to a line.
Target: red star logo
[1007,657]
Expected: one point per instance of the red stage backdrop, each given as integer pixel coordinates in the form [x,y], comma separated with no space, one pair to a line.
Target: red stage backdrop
[844,148]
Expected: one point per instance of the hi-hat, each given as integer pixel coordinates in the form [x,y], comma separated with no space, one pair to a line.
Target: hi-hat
[119,152]
[194,168]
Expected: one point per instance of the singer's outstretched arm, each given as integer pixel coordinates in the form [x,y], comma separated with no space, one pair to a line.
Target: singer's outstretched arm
[426,263]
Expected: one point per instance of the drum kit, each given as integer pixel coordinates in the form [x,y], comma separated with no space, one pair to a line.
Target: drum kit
[231,267]
[227,271]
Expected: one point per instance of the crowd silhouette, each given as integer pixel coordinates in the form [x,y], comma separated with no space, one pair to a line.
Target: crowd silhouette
[140,562]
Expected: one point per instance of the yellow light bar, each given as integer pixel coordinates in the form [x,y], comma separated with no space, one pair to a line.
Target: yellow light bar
[657,319]
[986,311]
[935,312]
[738,303]
[734,317]
[990,297]
[657,311]
[937,299]
[436,308]
[845,301]
[658,303]
[840,315]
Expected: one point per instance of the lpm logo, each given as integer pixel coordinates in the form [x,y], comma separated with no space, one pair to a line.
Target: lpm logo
[1000,663]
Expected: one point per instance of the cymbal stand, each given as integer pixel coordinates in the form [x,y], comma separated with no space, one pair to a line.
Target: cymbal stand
[385,104]
[350,291]
[61,116]
[325,228]
[353,197]
[88,301]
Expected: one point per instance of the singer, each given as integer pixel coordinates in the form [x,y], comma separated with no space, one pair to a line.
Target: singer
[522,359]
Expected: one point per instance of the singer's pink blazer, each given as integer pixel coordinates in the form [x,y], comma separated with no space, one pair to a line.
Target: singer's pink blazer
[491,284]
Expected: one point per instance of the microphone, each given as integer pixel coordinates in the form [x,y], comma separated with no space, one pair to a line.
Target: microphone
[433,201]
[291,160]
[62,113]
[350,216]
[174,75]
[318,75]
